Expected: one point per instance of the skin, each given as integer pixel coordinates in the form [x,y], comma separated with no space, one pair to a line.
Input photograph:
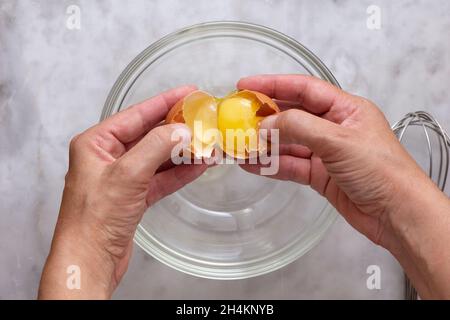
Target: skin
[117,169]
[339,144]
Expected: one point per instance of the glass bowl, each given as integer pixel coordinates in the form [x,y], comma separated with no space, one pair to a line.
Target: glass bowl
[228,224]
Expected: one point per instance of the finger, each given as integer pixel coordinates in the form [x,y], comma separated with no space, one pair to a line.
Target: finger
[300,127]
[290,168]
[166,165]
[167,182]
[131,144]
[142,161]
[295,150]
[137,120]
[286,105]
[315,95]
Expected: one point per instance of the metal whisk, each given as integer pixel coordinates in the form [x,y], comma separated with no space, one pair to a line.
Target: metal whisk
[438,164]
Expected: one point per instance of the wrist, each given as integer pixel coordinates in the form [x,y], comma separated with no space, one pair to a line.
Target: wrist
[78,266]
[419,232]
[420,205]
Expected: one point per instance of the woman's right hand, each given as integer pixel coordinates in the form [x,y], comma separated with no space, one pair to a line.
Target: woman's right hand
[343,146]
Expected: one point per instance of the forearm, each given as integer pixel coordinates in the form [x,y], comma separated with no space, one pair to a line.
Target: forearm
[76,267]
[421,227]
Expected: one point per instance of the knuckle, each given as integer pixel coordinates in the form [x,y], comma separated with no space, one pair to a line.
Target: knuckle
[370,109]
[77,144]
[287,118]
[363,101]
[289,123]
[291,170]
[158,137]
[367,104]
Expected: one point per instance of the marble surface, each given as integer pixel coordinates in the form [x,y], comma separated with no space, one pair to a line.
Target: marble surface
[54,81]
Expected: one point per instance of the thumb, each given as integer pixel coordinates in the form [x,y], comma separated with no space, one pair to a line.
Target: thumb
[301,127]
[142,161]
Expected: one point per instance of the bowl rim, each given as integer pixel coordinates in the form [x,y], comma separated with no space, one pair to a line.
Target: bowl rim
[170,257]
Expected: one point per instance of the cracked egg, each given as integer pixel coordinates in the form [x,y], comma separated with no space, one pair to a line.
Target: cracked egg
[230,123]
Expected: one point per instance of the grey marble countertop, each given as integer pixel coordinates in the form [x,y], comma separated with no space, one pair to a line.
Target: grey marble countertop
[54,81]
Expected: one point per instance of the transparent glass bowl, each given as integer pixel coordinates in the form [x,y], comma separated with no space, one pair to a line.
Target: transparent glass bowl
[228,224]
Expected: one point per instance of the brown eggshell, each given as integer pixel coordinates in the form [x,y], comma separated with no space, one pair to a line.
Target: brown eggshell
[268,106]
[175,114]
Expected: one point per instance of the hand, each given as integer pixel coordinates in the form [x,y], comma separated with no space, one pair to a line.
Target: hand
[117,169]
[343,147]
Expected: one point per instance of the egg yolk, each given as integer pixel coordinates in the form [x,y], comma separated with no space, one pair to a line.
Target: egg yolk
[238,123]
